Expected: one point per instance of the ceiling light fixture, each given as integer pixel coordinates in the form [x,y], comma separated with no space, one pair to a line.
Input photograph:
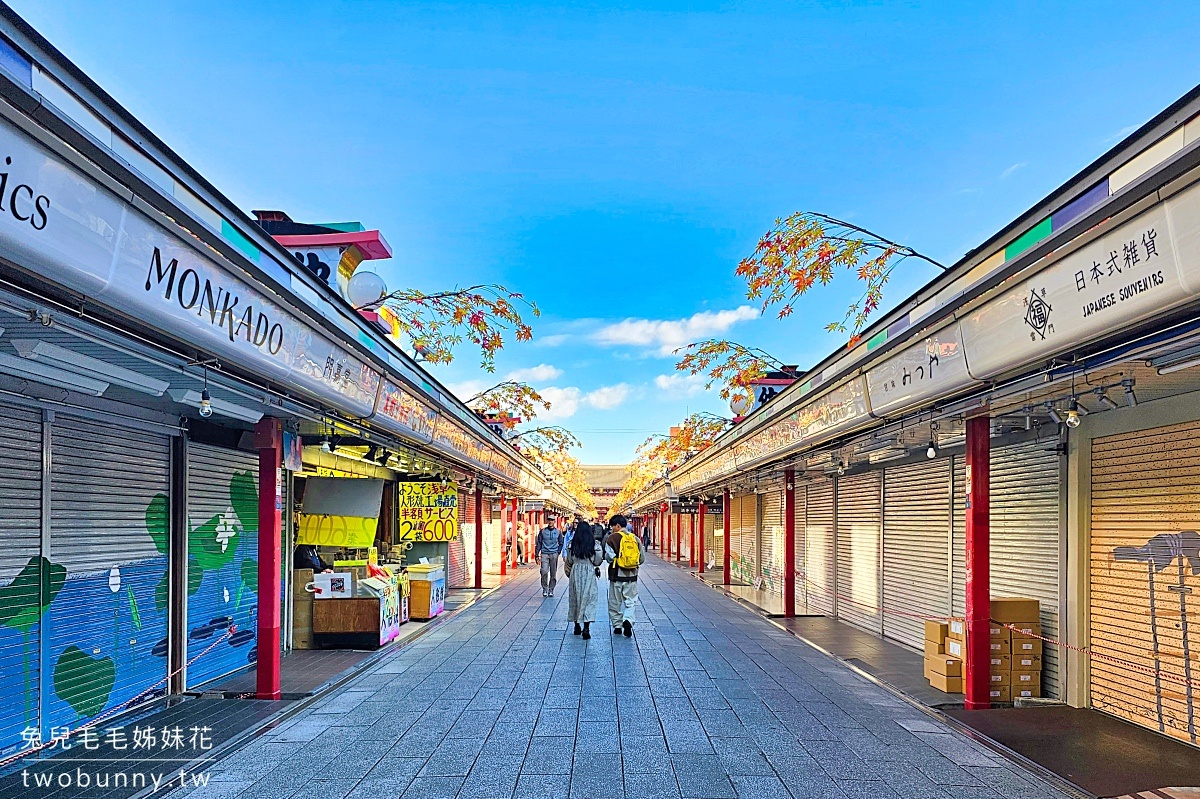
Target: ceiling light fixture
[1130,397]
[205,398]
[45,352]
[50,375]
[1105,400]
[1073,418]
[217,406]
[1055,416]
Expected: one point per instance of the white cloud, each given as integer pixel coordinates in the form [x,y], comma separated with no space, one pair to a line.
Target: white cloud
[680,385]
[564,402]
[671,334]
[550,341]
[1008,172]
[541,373]
[606,398]
[468,388]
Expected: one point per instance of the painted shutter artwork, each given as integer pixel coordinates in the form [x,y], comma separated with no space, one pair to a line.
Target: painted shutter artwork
[466,522]
[859,516]
[222,561]
[1145,574]
[771,542]
[819,565]
[1025,537]
[916,548]
[106,629]
[741,547]
[22,610]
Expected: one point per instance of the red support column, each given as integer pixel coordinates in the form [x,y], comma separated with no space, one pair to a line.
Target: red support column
[268,439]
[978,556]
[725,522]
[789,543]
[503,536]
[692,540]
[516,517]
[700,525]
[478,536]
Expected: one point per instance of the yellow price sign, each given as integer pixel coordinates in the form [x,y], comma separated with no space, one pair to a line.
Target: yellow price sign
[427,511]
[336,531]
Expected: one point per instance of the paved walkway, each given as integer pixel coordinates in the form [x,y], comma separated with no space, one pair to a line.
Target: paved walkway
[707,700]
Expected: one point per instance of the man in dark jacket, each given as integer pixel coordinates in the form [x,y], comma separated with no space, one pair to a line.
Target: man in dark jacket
[622,582]
[549,546]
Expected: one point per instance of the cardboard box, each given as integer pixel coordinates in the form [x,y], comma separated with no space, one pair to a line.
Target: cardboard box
[1027,691]
[997,630]
[1026,678]
[955,648]
[1026,663]
[1027,628]
[1000,678]
[936,631]
[947,666]
[935,648]
[1027,646]
[957,629]
[951,685]
[999,646]
[999,693]
[1013,610]
[928,672]
[1001,663]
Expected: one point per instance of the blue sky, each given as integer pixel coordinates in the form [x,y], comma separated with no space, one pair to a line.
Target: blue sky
[615,161]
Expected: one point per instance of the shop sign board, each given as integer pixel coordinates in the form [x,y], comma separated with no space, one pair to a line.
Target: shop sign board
[1141,268]
[389,611]
[427,511]
[338,512]
[405,411]
[935,366]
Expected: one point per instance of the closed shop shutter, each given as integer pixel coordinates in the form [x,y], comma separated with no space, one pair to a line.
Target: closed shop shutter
[456,567]
[466,527]
[858,522]
[742,545]
[222,561]
[107,627]
[819,566]
[20,557]
[713,544]
[1025,536]
[958,589]
[801,516]
[916,548]
[771,536]
[1145,509]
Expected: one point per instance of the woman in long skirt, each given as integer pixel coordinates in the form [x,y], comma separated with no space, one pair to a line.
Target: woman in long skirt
[582,562]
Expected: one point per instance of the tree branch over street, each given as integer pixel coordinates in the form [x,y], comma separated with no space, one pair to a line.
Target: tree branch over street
[512,400]
[734,366]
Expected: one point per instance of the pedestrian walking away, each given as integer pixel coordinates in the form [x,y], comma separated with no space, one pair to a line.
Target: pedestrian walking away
[581,562]
[624,553]
[548,547]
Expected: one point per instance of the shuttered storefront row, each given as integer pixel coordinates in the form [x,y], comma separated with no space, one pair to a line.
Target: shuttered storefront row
[222,561]
[105,630]
[916,548]
[466,532]
[457,570]
[858,521]
[819,534]
[743,565]
[800,515]
[1144,554]
[771,538]
[713,551]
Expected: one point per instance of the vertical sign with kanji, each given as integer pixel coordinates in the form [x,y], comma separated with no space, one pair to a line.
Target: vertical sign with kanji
[428,511]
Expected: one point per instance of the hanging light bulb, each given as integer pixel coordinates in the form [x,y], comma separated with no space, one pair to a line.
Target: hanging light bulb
[205,399]
[932,452]
[1073,418]
[326,444]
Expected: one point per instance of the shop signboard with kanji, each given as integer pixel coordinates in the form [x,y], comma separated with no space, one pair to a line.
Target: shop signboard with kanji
[427,511]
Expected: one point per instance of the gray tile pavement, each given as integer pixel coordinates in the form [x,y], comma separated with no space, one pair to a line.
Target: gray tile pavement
[706,701]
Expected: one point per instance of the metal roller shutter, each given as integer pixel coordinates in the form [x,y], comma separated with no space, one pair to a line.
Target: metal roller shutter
[21,565]
[742,543]
[222,561]
[106,629]
[457,572]
[916,548]
[958,555]
[801,514]
[1025,536]
[713,544]
[466,527]
[858,521]
[1144,550]
[771,536]
[819,566]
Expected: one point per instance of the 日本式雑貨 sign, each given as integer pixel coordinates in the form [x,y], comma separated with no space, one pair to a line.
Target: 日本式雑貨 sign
[427,511]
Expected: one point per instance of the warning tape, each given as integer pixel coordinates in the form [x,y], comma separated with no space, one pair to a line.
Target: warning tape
[117,708]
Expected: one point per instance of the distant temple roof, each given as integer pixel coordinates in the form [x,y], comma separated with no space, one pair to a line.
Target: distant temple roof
[602,477]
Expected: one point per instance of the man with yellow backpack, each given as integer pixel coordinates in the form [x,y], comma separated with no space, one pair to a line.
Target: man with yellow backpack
[624,552]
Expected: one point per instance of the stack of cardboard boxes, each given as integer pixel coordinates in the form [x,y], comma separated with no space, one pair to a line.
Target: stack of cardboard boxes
[1016,655]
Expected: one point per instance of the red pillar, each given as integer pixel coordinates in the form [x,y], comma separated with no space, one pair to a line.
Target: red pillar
[478,536]
[725,522]
[268,438]
[503,536]
[789,543]
[978,543]
[700,525]
[516,517]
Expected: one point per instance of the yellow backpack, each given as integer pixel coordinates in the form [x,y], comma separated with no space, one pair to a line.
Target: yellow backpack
[630,554]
